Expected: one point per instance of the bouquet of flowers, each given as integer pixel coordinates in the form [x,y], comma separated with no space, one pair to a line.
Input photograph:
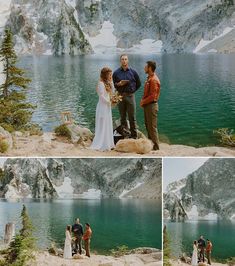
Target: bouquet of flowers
[115,98]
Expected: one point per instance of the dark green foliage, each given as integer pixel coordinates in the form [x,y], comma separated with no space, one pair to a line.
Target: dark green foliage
[227,136]
[166,248]
[3,145]
[14,75]
[15,112]
[22,247]
[119,251]
[1,174]
[63,131]
[231,261]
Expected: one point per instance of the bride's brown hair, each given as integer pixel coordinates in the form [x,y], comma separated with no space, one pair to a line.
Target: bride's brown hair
[69,228]
[104,73]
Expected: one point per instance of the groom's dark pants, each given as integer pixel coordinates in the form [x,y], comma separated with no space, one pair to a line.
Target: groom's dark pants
[78,244]
[150,117]
[208,254]
[128,107]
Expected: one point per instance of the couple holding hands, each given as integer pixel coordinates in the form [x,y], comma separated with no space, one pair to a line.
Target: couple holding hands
[119,88]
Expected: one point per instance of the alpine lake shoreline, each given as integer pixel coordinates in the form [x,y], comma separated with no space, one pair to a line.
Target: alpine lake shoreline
[48,144]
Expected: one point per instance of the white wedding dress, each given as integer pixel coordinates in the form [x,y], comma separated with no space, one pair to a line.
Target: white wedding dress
[194,257]
[68,246]
[103,140]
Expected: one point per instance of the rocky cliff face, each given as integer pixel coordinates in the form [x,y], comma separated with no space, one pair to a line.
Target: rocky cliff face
[207,193]
[81,178]
[65,26]
[44,27]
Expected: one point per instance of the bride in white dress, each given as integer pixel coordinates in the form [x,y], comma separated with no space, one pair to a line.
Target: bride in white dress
[68,243]
[194,257]
[103,140]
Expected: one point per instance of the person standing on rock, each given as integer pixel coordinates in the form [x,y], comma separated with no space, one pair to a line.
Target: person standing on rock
[194,261]
[87,239]
[68,243]
[77,230]
[103,140]
[201,246]
[126,81]
[149,102]
[208,251]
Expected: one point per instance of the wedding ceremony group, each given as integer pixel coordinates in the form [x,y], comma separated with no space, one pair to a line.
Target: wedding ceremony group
[201,249]
[118,88]
[74,237]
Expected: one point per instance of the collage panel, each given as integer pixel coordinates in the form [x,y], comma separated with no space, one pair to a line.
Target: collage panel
[199,211]
[117,201]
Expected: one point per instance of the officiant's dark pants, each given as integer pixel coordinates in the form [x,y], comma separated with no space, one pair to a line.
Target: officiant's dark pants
[202,254]
[78,244]
[128,107]
[150,117]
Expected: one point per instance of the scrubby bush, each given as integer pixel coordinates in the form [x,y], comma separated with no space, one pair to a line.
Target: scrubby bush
[119,251]
[227,136]
[3,145]
[63,131]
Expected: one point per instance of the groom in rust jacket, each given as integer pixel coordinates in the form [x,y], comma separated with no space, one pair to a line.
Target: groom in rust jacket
[150,102]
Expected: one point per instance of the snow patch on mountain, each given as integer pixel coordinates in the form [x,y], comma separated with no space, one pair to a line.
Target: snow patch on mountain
[122,195]
[66,189]
[4,12]
[14,192]
[91,194]
[203,43]
[146,46]
[105,41]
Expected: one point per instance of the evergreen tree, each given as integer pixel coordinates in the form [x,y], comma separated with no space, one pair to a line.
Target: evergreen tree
[22,247]
[166,249]
[15,113]
[14,76]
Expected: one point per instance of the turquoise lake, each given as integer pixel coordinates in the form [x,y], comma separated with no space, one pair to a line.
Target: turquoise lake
[134,223]
[197,92]
[221,233]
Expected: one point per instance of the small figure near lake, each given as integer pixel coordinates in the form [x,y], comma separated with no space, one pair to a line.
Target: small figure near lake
[87,239]
[208,251]
[201,247]
[77,230]
[195,255]
[68,243]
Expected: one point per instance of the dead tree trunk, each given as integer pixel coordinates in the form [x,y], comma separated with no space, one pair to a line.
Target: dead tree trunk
[9,233]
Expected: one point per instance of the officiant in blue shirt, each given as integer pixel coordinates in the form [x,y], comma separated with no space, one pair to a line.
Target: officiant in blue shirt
[126,81]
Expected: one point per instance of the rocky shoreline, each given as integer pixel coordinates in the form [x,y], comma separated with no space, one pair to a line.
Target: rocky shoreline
[48,145]
[138,257]
[175,262]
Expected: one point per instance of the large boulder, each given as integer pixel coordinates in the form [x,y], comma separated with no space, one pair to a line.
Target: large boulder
[5,135]
[79,134]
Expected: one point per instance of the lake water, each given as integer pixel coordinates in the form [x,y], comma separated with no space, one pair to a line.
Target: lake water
[197,93]
[134,223]
[221,234]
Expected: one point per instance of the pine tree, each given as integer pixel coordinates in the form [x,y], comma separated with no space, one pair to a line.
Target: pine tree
[22,247]
[15,113]
[166,249]
[14,76]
